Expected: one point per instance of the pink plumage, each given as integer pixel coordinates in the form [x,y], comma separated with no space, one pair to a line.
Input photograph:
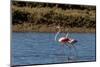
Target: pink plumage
[67,40]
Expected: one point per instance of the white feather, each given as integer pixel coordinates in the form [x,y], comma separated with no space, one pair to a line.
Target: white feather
[67,35]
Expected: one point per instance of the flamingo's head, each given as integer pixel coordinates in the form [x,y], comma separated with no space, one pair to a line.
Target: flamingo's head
[58,27]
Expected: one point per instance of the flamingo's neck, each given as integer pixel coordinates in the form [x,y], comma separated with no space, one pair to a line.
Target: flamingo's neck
[57,34]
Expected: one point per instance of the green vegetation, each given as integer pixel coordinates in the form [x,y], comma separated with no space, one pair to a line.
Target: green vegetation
[43,17]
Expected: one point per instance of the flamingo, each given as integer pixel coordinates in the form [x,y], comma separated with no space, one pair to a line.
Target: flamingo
[65,40]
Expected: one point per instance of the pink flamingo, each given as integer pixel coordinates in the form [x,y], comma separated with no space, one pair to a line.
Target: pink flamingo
[65,40]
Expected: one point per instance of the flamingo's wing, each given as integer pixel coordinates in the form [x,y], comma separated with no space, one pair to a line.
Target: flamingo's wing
[67,35]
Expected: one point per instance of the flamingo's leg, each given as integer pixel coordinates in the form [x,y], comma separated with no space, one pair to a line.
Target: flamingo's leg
[75,51]
[69,53]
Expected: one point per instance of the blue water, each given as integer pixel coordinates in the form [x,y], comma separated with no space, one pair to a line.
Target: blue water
[41,48]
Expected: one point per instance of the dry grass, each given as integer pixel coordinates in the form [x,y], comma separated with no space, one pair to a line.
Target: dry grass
[44,28]
[75,20]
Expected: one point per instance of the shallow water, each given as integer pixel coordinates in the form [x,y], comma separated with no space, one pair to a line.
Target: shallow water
[41,48]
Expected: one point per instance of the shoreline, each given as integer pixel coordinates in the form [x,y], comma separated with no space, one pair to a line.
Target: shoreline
[49,32]
[52,30]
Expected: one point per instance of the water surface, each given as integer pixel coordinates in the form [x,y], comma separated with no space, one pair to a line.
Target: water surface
[41,48]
